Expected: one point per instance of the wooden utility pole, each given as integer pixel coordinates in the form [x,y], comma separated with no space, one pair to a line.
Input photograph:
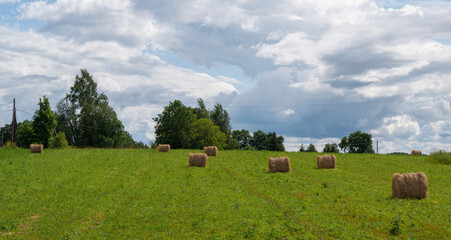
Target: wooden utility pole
[14,125]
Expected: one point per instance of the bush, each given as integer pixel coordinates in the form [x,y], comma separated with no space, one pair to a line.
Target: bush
[249,148]
[59,141]
[440,157]
[8,145]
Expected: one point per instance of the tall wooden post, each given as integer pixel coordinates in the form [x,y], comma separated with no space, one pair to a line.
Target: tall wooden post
[14,125]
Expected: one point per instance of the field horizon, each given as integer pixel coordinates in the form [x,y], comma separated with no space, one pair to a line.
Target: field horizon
[145,194]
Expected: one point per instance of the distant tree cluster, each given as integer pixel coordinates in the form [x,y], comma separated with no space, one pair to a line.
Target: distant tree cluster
[310,148]
[83,119]
[193,128]
[357,142]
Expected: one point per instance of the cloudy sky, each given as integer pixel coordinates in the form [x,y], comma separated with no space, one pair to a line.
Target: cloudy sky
[313,71]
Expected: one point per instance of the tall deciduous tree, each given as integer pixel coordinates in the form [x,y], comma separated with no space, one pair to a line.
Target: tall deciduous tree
[220,117]
[360,142]
[201,111]
[173,124]
[86,118]
[357,142]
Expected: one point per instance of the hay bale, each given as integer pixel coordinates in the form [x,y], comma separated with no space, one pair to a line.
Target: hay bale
[409,185]
[211,151]
[279,164]
[164,147]
[326,161]
[416,152]
[37,148]
[198,160]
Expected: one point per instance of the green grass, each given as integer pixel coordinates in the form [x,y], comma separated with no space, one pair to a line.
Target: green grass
[440,157]
[144,194]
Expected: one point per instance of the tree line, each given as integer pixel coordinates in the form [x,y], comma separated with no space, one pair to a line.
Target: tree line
[195,127]
[356,142]
[83,119]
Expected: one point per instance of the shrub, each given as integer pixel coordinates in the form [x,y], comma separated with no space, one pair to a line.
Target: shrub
[8,145]
[440,157]
[59,141]
[249,148]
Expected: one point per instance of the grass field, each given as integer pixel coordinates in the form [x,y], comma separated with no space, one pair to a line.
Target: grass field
[144,194]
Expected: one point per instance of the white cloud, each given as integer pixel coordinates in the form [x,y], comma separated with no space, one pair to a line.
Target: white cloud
[401,126]
[36,65]
[287,112]
[332,66]
[139,119]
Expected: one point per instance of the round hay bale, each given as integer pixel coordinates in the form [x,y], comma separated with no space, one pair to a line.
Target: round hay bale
[211,151]
[164,147]
[410,185]
[198,160]
[36,148]
[279,164]
[416,152]
[326,161]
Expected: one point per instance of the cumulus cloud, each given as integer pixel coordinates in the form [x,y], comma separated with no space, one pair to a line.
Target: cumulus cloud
[333,67]
[35,65]
[401,126]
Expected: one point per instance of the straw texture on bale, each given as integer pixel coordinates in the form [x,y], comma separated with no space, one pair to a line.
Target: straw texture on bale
[36,148]
[409,185]
[279,164]
[416,152]
[326,161]
[211,151]
[164,147]
[198,160]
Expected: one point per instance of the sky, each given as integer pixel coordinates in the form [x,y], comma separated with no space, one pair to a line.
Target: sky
[310,70]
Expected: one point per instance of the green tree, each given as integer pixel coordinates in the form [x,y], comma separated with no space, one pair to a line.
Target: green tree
[25,133]
[220,117]
[258,140]
[360,142]
[5,133]
[173,124]
[330,148]
[344,144]
[59,141]
[86,118]
[201,111]
[44,122]
[243,137]
[311,148]
[274,142]
[302,149]
[203,132]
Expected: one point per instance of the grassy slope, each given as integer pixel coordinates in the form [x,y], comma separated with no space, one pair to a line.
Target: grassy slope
[105,194]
